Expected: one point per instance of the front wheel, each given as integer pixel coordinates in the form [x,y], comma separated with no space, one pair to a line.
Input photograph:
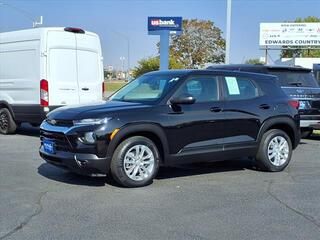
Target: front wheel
[275,151]
[7,124]
[135,162]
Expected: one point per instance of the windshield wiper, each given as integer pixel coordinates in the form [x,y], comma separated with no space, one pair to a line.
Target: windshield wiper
[298,84]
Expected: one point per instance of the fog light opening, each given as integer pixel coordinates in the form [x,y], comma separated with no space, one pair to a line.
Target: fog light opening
[88,138]
[80,163]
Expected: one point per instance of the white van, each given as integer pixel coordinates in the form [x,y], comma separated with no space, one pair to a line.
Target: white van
[44,68]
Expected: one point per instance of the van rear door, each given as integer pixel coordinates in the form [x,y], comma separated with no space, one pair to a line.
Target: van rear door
[62,68]
[90,68]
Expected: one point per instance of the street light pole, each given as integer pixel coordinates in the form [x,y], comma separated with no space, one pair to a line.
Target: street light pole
[124,36]
[227,57]
[122,59]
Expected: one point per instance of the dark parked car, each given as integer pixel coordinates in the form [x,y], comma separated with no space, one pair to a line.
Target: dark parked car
[174,117]
[298,83]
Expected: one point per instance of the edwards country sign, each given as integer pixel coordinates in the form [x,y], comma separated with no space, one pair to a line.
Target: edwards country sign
[294,34]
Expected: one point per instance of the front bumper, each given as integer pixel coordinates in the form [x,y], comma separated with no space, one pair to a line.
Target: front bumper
[81,163]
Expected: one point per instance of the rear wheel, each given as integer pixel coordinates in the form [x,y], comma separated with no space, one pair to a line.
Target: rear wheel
[135,162]
[7,124]
[275,151]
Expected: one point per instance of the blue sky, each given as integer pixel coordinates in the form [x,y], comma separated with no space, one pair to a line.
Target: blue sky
[129,17]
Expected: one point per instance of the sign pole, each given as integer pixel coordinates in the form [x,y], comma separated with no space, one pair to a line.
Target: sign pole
[227,57]
[164,26]
[164,50]
[266,56]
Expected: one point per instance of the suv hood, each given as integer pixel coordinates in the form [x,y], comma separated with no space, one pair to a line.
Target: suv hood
[98,110]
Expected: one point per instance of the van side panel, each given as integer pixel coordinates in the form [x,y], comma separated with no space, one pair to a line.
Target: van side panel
[90,68]
[20,79]
[19,72]
[62,68]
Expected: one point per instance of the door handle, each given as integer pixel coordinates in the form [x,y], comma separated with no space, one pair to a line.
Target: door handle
[85,89]
[215,109]
[264,106]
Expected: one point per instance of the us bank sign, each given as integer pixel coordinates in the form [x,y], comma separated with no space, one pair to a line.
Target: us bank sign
[172,24]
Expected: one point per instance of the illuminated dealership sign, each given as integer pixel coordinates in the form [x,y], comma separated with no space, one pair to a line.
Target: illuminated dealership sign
[290,34]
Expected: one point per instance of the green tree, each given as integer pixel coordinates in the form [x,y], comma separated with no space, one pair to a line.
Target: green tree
[289,53]
[253,61]
[201,42]
[153,64]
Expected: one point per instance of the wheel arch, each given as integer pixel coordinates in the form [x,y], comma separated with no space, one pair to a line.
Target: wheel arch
[149,130]
[283,123]
[4,104]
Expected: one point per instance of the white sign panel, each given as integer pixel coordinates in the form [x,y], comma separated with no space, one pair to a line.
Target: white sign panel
[290,34]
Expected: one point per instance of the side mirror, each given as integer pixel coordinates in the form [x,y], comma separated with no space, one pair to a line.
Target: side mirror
[183,99]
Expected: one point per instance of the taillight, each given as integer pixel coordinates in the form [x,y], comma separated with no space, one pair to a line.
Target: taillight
[294,103]
[103,88]
[44,93]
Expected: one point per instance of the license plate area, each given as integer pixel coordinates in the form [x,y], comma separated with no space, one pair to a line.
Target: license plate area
[48,146]
[303,105]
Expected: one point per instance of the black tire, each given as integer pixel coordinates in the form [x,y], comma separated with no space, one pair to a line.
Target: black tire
[7,124]
[306,133]
[262,158]
[118,167]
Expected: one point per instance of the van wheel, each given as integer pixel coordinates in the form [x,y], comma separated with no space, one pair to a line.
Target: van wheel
[135,162]
[275,151]
[7,124]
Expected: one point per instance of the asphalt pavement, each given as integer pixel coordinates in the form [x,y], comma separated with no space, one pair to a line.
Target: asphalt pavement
[229,200]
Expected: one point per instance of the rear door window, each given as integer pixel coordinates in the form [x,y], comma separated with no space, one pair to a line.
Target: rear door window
[239,88]
[295,78]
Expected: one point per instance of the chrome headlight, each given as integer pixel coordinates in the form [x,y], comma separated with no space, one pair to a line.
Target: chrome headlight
[91,121]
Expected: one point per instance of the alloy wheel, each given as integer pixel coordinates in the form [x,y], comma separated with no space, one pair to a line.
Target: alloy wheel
[139,162]
[278,151]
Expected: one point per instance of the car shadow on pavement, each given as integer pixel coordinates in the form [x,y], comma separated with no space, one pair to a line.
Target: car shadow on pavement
[54,173]
[28,130]
[51,172]
[314,137]
[205,168]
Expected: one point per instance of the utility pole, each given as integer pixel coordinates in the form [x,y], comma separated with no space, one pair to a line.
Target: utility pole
[227,57]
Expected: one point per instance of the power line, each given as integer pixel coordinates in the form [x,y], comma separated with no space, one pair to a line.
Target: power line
[24,13]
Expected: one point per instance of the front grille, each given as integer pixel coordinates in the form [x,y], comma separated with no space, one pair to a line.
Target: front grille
[61,143]
[60,123]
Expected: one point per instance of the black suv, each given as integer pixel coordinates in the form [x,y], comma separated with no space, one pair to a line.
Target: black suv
[298,83]
[174,117]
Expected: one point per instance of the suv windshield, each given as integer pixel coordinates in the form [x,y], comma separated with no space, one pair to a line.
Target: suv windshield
[295,78]
[147,88]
